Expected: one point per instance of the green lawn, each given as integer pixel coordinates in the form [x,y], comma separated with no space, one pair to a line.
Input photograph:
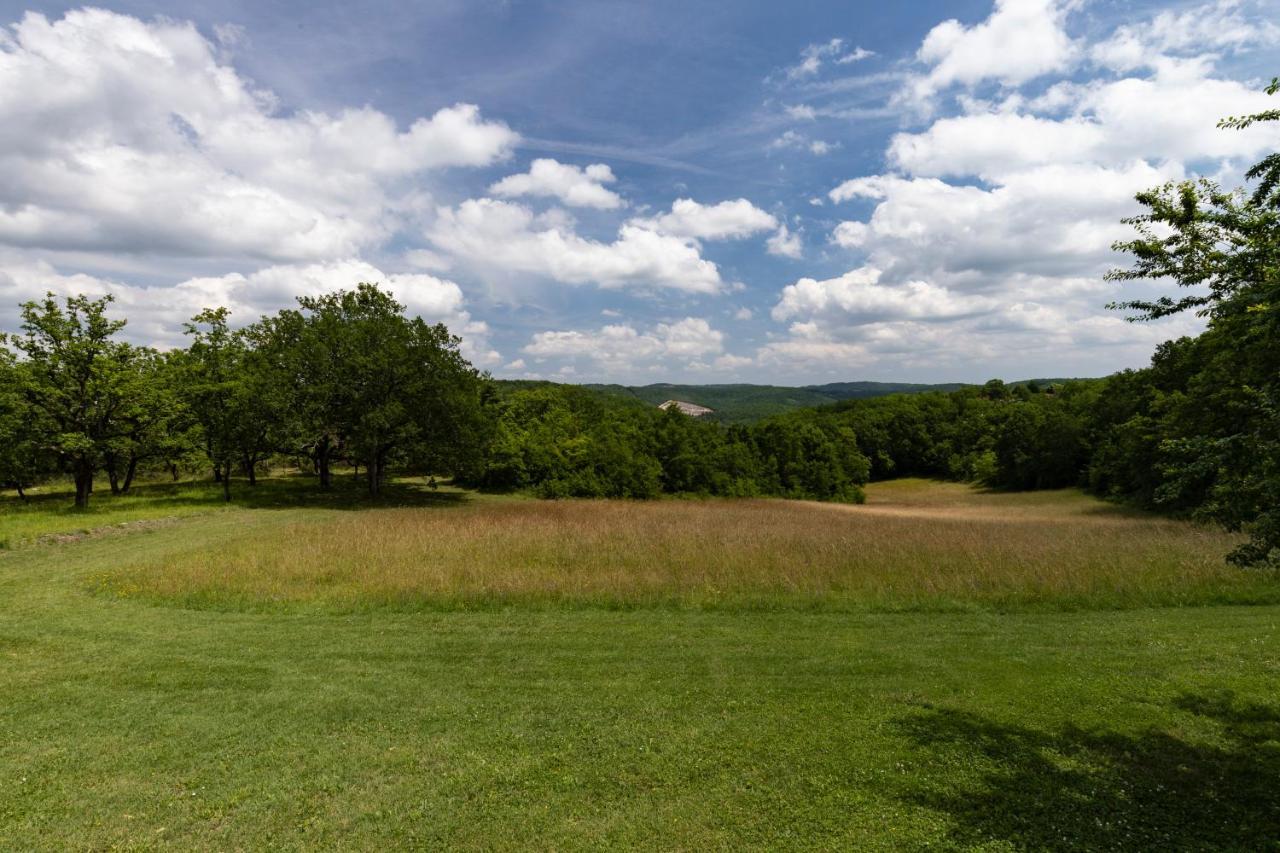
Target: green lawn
[139,724]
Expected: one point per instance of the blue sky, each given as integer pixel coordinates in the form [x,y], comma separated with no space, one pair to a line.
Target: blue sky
[634,192]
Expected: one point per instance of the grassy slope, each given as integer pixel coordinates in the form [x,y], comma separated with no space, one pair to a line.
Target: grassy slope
[139,726]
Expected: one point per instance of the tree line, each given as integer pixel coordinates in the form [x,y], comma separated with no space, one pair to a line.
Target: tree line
[348,378]
[345,376]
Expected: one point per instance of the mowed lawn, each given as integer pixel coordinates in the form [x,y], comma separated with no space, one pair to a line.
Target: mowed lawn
[941,667]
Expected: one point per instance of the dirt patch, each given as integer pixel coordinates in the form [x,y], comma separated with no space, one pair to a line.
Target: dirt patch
[992,515]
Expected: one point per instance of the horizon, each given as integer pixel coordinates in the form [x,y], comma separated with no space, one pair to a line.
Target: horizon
[627,193]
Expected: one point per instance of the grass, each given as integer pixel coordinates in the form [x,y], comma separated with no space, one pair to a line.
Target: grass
[915,546]
[333,722]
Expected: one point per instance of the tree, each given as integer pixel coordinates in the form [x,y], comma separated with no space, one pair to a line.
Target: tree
[383,382]
[152,422]
[1220,444]
[21,459]
[78,379]
[213,386]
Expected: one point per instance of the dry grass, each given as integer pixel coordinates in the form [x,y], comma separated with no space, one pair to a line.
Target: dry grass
[913,546]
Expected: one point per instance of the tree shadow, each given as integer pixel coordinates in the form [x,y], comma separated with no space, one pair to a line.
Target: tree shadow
[1090,790]
[280,492]
[292,492]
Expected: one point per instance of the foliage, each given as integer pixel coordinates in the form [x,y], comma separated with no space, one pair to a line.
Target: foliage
[379,383]
[77,382]
[570,442]
[1215,431]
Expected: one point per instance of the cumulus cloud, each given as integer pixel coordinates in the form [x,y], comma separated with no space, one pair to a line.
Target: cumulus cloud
[1218,26]
[784,243]
[992,229]
[1048,219]
[623,349]
[573,185]
[156,314]
[728,220]
[1020,41]
[143,139]
[499,237]
[1170,115]
[858,297]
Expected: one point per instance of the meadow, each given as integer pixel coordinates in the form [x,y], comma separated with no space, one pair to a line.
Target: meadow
[942,667]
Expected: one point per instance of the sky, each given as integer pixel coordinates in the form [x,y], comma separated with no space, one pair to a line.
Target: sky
[635,192]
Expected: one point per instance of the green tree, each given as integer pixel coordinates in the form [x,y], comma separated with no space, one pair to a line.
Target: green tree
[153,422]
[1220,441]
[385,383]
[213,387]
[79,380]
[22,461]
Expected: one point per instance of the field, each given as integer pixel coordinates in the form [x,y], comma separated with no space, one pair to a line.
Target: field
[942,667]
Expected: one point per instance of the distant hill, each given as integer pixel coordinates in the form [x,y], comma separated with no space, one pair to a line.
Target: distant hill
[732,403]
[864,390]
[748,403]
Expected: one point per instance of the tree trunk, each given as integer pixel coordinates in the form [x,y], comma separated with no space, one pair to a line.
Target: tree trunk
[112,475]
[129,473]
[217,473]
[226,484]
[250,467]
[322,459]
[374,476]
[21,493]
[84,486]
[377,471]
[173,469]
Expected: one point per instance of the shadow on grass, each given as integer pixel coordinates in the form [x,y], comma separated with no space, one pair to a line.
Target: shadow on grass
[285,492]
[1083,790]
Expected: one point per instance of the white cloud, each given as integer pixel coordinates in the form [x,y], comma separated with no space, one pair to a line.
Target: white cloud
[743,313]
[1024,338]
[1021,40]
[1048,219]
[573,185]
[728,220]
[856,55]
[792,139]
[1217,26]
[988,237]
[143,139]
[156,314]
[499,238]
[813,56]
[784,243]
[858,297]
[621,349]
[1171,115]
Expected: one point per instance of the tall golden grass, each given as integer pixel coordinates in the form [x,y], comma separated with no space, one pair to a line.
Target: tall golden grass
[913,546]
